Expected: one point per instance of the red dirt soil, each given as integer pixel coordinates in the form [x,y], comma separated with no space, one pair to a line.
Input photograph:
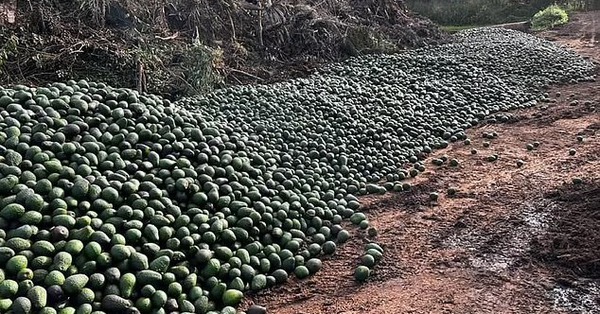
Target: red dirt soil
[511,240]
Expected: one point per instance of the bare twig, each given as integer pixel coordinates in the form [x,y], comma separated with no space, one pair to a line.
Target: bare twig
[236,79]
[168,37]
[232,26]
[141,75]
[247,74]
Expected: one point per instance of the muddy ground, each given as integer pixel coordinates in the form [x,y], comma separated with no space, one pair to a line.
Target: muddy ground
[512,240]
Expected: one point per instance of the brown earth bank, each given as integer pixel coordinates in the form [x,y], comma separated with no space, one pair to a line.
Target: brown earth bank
[511,240]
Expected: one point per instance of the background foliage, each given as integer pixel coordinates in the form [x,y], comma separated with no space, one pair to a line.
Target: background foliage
[549,17]
[487,12]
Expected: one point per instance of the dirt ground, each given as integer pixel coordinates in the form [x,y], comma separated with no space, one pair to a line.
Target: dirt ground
[511,240]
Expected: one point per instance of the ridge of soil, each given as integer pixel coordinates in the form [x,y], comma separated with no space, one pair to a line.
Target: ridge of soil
[511,240]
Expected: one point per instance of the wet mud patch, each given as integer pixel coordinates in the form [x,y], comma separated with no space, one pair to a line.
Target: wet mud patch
[499,246]
[570,248]
[584,298]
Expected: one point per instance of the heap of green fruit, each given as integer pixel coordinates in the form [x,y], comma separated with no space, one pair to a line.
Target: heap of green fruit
[116,202]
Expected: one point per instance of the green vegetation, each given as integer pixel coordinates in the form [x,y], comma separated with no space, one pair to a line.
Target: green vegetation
[114,201]
[472,12]
[549,17]
[489,12]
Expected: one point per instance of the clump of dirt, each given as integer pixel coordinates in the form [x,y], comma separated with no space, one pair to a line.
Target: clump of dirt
[185,46]
[573,241]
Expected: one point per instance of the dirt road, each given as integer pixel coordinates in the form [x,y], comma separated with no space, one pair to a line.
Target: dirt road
[511,240]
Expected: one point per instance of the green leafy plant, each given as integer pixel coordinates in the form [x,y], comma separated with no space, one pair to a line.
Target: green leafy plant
[8,48]
[182,69]
[200,68]
[549,17]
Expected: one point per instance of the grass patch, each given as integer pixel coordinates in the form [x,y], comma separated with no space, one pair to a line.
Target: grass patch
[491,12]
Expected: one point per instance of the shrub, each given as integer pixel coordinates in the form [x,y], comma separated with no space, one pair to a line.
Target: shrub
[549,17]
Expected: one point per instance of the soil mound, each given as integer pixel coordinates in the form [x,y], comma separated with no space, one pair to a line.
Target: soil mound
[573,242]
